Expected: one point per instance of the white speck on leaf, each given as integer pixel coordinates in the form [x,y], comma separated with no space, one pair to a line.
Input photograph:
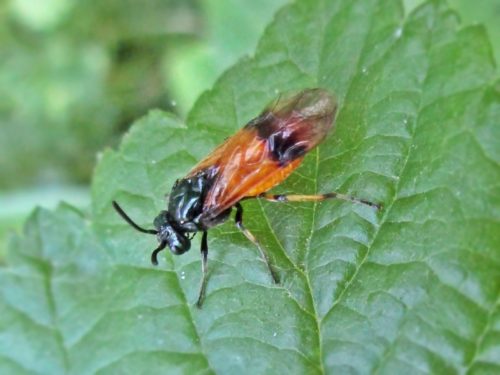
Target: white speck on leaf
[173,103]
[398,32]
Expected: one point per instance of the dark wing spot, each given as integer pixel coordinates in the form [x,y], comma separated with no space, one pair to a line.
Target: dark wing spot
[264,124]
[285,148]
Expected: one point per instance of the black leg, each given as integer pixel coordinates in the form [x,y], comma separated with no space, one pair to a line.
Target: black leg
[251,237]
[316,198]
[154,254]
[204,269]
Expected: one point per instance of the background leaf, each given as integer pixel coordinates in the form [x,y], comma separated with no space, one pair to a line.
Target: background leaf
[231,30]
[414,288]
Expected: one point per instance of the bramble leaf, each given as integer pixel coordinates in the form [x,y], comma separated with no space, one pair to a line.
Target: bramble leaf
[414,288]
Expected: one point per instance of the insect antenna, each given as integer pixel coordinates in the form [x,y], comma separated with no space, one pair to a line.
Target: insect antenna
[276,102]
[130,221]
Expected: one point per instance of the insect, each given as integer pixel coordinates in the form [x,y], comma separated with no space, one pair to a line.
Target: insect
[259,156]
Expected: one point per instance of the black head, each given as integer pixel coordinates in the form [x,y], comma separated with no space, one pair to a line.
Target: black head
[166,233]
[176,240]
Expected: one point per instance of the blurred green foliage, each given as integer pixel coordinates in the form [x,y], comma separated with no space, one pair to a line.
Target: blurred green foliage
[74,75]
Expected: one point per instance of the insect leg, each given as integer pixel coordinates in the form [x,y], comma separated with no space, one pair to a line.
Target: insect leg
[316,198]
[251,237]
[204,269]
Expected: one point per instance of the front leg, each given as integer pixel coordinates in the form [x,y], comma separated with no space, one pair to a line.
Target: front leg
[204,269]
[239,224]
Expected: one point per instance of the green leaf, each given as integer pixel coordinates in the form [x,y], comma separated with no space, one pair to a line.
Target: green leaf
[414,288]
[486,14]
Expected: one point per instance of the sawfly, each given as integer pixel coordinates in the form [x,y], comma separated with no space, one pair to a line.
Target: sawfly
[247,165]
